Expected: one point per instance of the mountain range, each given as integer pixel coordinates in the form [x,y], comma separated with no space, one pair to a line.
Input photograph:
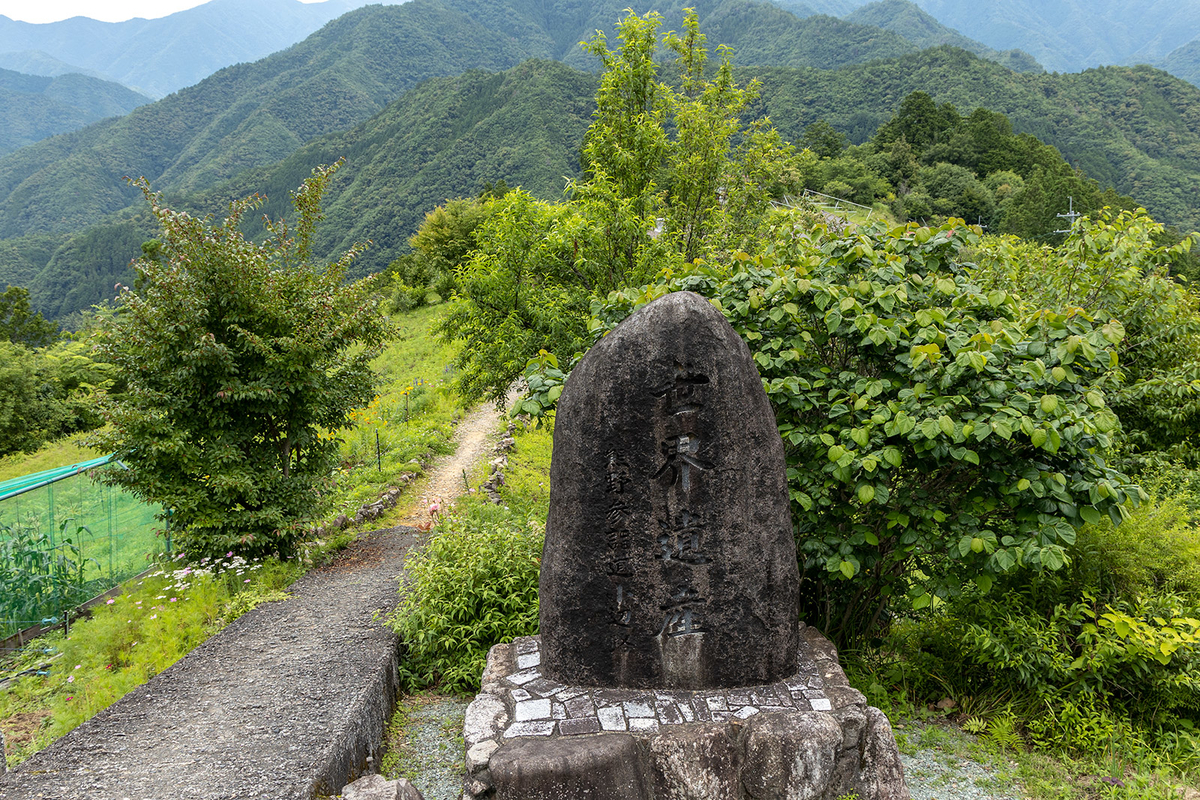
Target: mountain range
[159,56]
[398,91]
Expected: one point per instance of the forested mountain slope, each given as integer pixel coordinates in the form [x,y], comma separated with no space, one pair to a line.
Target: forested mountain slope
[35,107]
[159,56]
[451,136]
[244,116]
[447,138]
[254,114]
[1135,128]
[1184,62]
[908,20]
[1072,35]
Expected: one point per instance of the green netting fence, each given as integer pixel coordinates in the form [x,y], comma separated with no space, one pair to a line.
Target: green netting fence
[66,538]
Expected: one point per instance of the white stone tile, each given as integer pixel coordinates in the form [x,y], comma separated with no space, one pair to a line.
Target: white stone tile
[612,718]
[688,714]
[821,704]
[522,678]
[716,704]
[533,709]
[539,728]
[637,708]
[520,694]
[529,660]
[745,712]
[643,724]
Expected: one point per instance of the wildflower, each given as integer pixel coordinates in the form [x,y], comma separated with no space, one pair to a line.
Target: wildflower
[70,697]
[229,554]
[154,616]
[77,666]
[108,666]
[109,601]
[70,679]
[246,581]
[173,599]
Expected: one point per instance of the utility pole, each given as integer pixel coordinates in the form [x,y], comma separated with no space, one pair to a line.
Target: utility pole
[1071,215]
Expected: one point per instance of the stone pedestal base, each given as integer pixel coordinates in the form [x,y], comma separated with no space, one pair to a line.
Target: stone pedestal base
[809,737]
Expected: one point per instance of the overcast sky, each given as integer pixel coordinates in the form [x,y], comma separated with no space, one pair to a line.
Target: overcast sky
[107,10]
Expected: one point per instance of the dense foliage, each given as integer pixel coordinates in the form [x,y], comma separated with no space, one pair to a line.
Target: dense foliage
[239,359]
[1116,268]
[473,585]
[930,429]
[669,173]
[46,393]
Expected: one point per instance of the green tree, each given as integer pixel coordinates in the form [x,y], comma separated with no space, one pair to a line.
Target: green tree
[669,175]
[440,247]
[18,323]
[824,140]
[241,360]
[1113,268]
[47,393]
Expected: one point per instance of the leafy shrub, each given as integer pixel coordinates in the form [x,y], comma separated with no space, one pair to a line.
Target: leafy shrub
[474,585]
[237,357]
[934,437]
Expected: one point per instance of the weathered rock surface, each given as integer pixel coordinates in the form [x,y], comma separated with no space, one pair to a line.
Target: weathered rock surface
[810,736]
[376,787]
[609,768]
[669,559]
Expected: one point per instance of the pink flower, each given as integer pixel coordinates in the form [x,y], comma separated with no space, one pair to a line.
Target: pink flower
[109,602]
[77,666]
[70,679]
[229,554]
[173,599]
[246,581]
[154,616]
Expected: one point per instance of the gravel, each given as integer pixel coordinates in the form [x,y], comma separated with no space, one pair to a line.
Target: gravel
[935,766]
[431,755]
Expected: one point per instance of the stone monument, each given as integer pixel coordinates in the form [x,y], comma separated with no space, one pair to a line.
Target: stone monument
[670,662]
[669,559]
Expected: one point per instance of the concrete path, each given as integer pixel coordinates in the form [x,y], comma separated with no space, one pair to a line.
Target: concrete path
[286,703]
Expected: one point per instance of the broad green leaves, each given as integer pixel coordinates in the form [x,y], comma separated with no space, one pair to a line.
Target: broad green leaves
[931,429]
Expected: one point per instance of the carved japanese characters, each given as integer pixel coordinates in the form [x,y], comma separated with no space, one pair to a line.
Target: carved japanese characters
[669,557]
